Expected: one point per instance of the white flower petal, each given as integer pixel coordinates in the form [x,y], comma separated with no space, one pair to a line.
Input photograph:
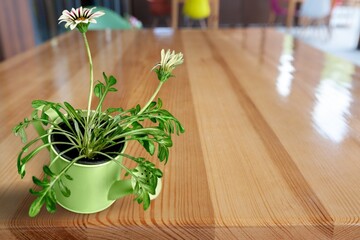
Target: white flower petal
[63,21]
[86,12]
[72,26]
[169,60]
[65,12]
[97,14]
[73,11]
[79,15]
[68,24]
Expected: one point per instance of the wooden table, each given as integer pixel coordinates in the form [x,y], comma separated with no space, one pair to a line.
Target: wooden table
[213,21]
[271,149]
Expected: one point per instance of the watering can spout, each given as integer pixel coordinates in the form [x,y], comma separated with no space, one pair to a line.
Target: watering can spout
[122,188]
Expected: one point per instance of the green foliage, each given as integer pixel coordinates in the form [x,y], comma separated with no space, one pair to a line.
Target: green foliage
[92,136]
[92,133]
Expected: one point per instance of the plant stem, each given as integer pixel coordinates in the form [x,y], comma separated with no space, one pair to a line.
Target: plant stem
[148,103]
[152,98]
[87,131]
[91,76]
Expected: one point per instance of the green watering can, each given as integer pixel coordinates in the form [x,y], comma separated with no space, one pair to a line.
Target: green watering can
[93,187]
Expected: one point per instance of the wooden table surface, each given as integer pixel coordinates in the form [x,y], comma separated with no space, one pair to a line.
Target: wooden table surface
[271,149]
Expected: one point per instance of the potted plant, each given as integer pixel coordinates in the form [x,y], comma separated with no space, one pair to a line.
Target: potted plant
[87,146]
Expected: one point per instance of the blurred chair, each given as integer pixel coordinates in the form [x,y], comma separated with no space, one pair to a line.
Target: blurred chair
[316,13]
[197,10]
[111,20]
[160,9]
[277,10]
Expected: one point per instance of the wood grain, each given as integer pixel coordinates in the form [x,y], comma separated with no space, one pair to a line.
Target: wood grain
[270,150]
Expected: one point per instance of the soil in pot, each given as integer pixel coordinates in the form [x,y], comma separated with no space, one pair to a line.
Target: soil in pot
[70,155]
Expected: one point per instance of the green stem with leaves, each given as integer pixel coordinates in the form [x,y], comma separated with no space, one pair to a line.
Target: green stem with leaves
[88,123]
[91,76]
[149,102]
[151,98]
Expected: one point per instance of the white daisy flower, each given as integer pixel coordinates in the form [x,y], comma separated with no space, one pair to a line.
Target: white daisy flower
[80,18]
[169,60]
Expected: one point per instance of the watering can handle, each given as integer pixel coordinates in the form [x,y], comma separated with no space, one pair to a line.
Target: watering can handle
[40,129]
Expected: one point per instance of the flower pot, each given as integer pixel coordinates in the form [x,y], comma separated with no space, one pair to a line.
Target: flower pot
[90,184]
[86,185]
[95,185]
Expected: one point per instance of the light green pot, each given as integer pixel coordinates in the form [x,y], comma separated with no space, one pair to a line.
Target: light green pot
[91,184]
[93,187]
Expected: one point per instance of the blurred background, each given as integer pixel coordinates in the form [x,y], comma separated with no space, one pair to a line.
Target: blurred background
[28,23]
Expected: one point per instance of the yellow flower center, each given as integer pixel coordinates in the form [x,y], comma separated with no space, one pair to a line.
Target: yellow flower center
[81,18]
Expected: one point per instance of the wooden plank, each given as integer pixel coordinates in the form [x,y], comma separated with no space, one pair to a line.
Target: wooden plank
[270,150]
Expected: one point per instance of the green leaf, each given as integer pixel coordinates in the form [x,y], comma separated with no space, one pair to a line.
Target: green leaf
[149,146]
[22,135]
[63,189]
[39,182]
[112,80]
[112,110]
[36,206]
[98,90]
[38,103]
[61,115]
[67,176]
[50,204]
[149,188]
[163,153]
[152,104]
[79,133]
[159,104]
[71,110]
[139,200]
[158,173]
[48,171]
[52,195]
[30,155]
[22,171]
[146,199]
[166,141]
[137,109]
[44,117]
[32,191]
[105,77]
[112,90]
[136,125]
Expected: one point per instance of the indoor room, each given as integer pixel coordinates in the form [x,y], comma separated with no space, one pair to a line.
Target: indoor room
[180,119]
